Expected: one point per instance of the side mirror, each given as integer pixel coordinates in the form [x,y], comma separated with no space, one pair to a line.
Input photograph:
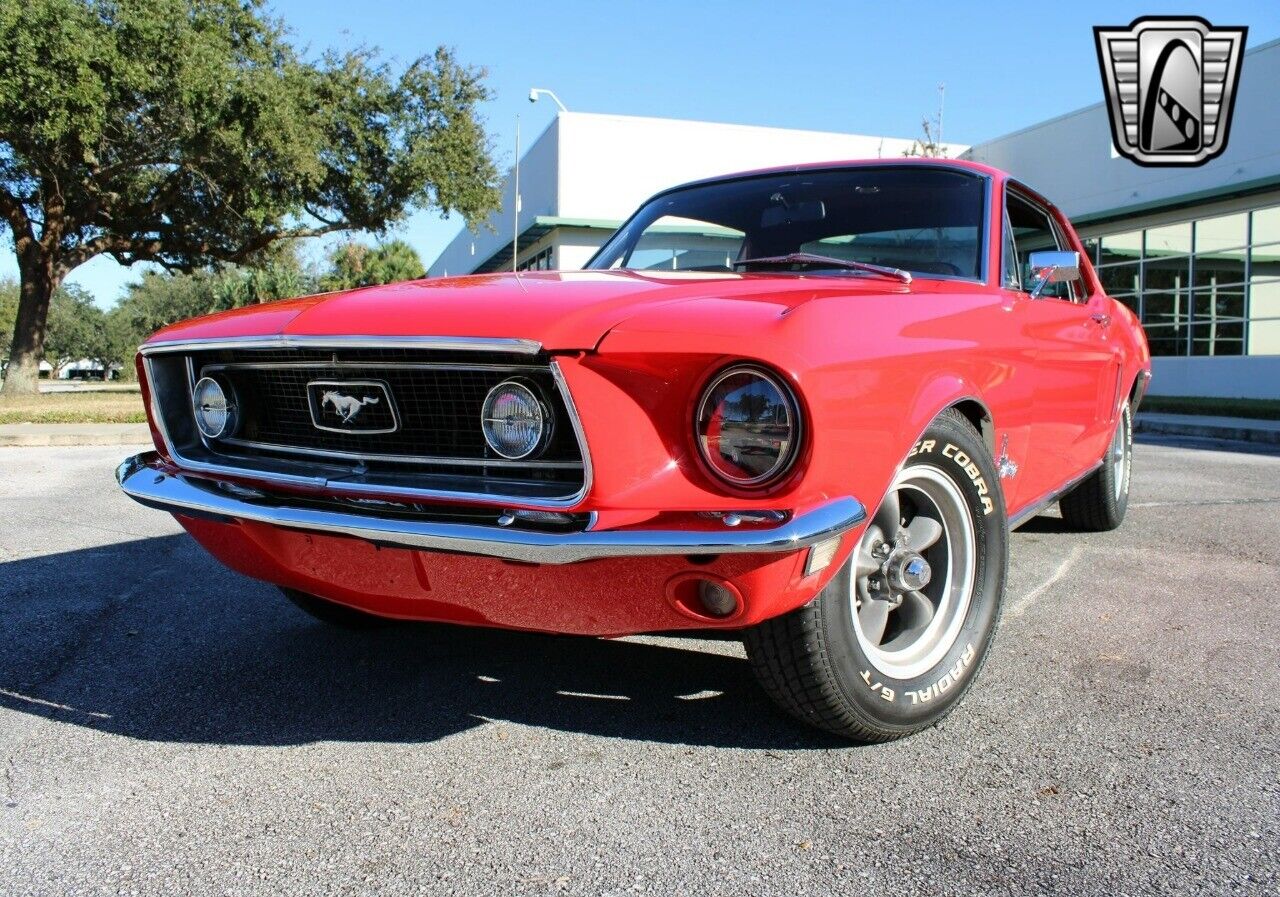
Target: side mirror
[1053,267]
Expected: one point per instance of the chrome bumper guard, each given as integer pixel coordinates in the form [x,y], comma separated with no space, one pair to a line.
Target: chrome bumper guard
[144,479]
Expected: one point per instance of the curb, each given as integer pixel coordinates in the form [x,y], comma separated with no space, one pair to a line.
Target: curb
[36,435]
[1193,426]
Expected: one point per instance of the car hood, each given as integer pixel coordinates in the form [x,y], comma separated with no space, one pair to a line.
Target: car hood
[560,310]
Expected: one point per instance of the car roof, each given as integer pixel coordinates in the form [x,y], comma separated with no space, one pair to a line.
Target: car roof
[956,164]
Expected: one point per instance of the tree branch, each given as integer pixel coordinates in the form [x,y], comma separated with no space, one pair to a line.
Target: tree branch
[318,217]
[74,258]
[55,207]
[104,173]
[126,251]
[261,242]
[16,216]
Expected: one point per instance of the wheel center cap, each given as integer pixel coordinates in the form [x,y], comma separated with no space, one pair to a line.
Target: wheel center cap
[907,571]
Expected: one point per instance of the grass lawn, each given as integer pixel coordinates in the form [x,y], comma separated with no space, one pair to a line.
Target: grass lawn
[1255,409]
[111,407]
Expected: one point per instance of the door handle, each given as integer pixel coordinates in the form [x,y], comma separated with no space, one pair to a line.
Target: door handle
[1101,319]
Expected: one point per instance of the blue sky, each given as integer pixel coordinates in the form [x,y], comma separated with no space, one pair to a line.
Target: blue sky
[848,66]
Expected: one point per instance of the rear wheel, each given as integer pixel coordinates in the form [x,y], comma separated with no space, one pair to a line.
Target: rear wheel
[1098,504]
[897,636]
[335,614]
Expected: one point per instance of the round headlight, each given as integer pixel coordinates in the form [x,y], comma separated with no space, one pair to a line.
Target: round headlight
[747,426]
[514,422]
[215,408]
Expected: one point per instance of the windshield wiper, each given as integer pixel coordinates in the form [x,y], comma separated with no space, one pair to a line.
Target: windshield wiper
[824,261]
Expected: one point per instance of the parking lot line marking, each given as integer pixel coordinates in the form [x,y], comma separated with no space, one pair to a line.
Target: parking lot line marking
[592,695]
[1207,501]
[1019,606]
[52,705]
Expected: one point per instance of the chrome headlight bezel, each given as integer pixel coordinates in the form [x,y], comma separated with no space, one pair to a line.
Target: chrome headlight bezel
[788,454]
[203,403]
[545,420]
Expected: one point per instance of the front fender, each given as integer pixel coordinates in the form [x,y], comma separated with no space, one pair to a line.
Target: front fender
[871,374]
[879,436]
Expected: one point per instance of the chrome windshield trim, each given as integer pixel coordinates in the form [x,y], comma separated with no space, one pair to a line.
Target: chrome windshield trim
[302,341]
[143,479]
[941,165]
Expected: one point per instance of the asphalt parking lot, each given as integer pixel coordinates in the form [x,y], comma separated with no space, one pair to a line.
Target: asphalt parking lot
[168,727]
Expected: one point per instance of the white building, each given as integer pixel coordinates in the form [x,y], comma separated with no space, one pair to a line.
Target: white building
[586,173]
[1194,251]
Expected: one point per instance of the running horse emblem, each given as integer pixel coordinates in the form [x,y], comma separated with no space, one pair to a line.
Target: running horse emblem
[346,407]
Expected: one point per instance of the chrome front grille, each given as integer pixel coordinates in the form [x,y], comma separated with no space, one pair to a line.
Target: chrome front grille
[437,446]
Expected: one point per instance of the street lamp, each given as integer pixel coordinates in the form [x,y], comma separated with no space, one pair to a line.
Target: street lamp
[515,211]
[536,92]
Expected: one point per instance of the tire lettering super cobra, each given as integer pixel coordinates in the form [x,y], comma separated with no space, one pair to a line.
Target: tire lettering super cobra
[965,463]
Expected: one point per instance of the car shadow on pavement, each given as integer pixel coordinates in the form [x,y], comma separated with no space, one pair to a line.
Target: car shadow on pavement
[152,639]
[1046,523]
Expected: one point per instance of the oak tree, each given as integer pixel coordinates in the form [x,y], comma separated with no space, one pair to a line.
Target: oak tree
[187,133]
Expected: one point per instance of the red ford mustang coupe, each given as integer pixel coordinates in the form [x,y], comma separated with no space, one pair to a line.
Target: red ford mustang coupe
[803,404]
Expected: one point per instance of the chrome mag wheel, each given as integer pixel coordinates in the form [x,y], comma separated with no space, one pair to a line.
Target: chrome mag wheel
[1099,502]
[897,635]
[1121,449]
[913,578]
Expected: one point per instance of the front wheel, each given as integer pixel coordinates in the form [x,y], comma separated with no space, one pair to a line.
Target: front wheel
[896,637]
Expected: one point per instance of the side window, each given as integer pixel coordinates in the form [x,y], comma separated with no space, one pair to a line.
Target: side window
[1009,259]
[1031,230]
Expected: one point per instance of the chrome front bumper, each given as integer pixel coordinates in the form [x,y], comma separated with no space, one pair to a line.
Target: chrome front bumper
[145,479]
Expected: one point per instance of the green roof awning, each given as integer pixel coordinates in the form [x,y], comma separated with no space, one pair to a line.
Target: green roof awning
[541,226]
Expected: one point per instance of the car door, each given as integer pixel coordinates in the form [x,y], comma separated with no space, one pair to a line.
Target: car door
[1076,359]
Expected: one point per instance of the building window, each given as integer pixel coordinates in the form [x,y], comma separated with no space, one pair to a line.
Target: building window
[1205,287]
[539,261]
[1119,266]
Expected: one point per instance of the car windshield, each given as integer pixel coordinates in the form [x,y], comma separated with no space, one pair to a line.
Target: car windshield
[927,221]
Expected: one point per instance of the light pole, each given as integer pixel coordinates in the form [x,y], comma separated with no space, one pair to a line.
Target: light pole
[536,92]
[942,98]
[515,205]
